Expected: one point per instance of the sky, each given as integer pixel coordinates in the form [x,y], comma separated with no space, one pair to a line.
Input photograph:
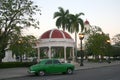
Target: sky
[102,13]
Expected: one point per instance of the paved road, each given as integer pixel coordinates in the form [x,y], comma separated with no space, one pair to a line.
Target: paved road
[20,72]
[101,73]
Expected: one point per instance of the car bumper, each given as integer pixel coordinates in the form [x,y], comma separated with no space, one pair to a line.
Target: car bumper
[31,72]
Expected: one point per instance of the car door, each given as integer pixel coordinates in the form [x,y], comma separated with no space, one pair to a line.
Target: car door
[49,66]
[58,67]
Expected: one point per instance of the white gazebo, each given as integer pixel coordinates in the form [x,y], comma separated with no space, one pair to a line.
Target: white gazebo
[56,38]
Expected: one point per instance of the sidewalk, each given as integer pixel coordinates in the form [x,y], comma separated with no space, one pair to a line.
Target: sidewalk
[18,72]
[89,65]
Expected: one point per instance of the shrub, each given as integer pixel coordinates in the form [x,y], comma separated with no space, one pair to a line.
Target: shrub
[15,64]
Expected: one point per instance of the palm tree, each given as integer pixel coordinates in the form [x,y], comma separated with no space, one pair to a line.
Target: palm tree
[62,18]
[75,23]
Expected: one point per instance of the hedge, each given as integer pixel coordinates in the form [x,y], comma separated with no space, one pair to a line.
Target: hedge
[15,64]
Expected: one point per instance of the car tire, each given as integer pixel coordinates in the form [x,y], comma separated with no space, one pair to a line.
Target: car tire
[41,73]
[36,74]
[69,71]
[63,72]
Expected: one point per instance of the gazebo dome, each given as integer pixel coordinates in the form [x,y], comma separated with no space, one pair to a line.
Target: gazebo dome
[55,34]
[55,37]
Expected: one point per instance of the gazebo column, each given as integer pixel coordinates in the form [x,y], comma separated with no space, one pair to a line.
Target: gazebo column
[64,53]
[49,52]
[38,49]
[73,54]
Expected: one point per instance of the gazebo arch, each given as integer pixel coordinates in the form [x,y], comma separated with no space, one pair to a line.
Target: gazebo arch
[55,38]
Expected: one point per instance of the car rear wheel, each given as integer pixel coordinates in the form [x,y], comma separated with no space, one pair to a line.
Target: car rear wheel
[69,71]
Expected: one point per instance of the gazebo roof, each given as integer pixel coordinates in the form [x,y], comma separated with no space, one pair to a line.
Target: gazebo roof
[55,37]
[55,33]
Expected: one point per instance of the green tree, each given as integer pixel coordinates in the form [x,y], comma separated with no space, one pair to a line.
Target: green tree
[62,18]
[24,46]
[97,44]
[115,51]
[116,40]
[116,46]
[14,16]
[75,22]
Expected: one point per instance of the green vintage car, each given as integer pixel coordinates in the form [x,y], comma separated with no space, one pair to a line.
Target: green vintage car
[51,66]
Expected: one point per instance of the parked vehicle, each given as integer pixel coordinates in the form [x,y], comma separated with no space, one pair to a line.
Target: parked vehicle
[48,66]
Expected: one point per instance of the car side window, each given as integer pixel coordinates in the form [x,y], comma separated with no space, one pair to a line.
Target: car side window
[49,62]
[56,62]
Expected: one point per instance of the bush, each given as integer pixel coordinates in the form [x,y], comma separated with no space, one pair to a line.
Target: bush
[15,64]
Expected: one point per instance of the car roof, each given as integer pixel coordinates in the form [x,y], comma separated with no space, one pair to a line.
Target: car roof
[48,59]
[42,61]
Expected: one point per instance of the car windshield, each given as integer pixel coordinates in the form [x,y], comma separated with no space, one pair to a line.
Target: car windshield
[42,61]
[46,61]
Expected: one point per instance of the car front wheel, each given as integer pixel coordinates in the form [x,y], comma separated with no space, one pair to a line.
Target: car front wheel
[69,71]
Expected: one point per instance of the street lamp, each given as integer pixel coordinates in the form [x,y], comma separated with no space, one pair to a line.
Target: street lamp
[81,36]
[108,46]
[108,41]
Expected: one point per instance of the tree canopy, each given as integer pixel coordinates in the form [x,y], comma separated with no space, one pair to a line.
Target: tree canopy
[62,18]
[116,39]
[75,23]
[14,16]
[24,46]
[96,43]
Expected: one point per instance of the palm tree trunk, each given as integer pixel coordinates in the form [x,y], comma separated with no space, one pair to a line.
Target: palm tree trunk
[63,28]
[75,45]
